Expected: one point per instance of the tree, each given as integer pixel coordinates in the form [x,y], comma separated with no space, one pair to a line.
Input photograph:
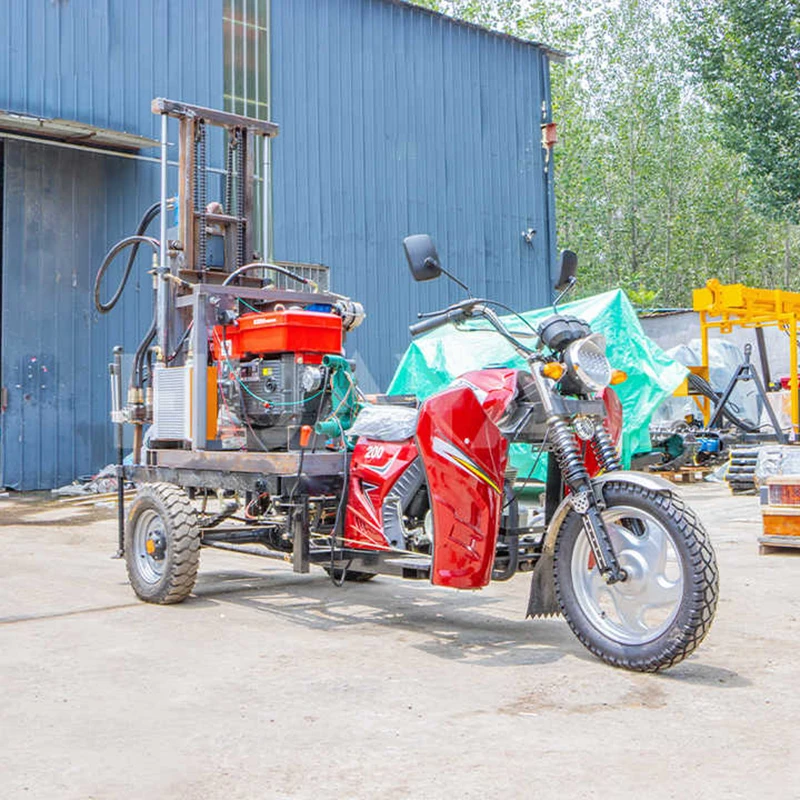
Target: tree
[645,192]
[747,55]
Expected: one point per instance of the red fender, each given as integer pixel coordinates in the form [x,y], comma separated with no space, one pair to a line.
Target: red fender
[465,458]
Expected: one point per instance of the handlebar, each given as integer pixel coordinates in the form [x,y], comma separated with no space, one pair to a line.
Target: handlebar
[469,308]
[434,321]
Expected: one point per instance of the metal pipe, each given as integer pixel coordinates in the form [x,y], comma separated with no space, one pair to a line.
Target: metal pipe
[116,413]
[137,442]
[267,176]
[85,148]
[266,242]
[199,339]
[251,551]
[162,287]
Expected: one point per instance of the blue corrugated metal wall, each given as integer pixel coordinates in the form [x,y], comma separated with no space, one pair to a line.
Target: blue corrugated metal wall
[101,63]
[393,121]
[396,121]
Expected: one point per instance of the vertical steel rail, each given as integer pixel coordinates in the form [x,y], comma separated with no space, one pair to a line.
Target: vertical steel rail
[162,286]
[268,232]
[199,369]
[793,380]
[704,362]
[265,199]
[116,409]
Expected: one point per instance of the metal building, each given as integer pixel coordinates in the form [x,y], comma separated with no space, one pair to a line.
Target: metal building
[394,120]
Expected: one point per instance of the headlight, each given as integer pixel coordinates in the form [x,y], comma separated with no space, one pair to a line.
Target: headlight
[586,360]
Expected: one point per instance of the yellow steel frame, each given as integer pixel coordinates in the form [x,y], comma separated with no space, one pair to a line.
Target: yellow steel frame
[726,306]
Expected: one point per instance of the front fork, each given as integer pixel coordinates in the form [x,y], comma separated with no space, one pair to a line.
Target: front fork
[584,501]
[575,475]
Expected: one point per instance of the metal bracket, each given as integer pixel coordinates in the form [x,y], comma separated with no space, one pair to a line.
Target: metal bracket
[581,502]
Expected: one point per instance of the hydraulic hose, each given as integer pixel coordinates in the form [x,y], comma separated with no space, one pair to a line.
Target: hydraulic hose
[263,265]
[702,386]
[134,241]
[137,379]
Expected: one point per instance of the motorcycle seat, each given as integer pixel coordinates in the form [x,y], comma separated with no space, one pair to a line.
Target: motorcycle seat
[385,423]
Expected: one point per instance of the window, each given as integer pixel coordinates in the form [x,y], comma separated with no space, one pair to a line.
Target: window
[246,83]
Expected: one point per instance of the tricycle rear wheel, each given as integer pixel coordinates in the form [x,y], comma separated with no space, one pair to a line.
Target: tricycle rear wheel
[162,544]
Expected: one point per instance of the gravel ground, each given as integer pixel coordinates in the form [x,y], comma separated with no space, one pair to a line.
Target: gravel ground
[269,684]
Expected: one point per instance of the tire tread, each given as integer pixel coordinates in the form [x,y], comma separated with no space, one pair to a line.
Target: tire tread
[180,518]
[705,592]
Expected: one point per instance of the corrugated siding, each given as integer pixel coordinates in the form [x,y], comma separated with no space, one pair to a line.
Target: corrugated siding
[62,207]
[102,63]
[395,121]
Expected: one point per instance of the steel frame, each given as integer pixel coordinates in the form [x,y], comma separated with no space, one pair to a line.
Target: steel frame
[724,307]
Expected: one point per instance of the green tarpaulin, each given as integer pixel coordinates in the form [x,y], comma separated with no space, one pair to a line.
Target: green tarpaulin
[432,361]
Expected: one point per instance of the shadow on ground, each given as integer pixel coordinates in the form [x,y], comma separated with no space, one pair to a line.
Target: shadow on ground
[455,625]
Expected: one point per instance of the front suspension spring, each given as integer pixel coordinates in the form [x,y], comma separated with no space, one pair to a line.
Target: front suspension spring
[604,451]
[568,455]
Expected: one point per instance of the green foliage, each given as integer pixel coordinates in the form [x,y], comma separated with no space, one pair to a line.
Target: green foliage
[747,54]
[646,192]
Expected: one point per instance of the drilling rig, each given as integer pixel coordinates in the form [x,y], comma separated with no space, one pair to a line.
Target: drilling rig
[239,393]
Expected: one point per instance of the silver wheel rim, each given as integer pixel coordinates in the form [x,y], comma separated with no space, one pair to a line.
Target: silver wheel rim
[148,526]
[641,608]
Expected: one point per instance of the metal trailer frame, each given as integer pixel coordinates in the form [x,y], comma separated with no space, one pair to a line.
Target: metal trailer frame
[725,306]
[187,288]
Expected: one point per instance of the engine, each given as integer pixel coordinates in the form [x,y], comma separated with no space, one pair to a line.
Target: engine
[270,371]
[273,396]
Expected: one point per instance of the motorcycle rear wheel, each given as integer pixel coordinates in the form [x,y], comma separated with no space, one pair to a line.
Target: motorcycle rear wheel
[663,610]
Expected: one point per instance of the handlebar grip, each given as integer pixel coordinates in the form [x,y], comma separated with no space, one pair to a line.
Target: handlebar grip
[434,322]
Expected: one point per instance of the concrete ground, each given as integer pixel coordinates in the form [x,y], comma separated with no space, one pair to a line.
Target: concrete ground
[270,684]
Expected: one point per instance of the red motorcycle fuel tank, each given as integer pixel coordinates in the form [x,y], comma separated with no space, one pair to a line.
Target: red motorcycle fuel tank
[465,458]
[494,389]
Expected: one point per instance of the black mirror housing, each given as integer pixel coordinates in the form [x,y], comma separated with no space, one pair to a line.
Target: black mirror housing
[568,267]
[423,260]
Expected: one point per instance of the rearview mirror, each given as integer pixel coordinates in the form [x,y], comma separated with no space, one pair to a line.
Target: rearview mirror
[568,267]
[423,260]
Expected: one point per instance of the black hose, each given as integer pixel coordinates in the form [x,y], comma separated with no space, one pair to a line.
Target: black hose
[702,386]
[256,265]
[137,379]
[181,343]
[135,241]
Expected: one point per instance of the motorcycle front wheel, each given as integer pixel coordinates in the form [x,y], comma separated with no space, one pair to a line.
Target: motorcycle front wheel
[660,613]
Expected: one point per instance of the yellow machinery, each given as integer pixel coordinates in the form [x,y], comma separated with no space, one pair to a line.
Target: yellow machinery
[726,306]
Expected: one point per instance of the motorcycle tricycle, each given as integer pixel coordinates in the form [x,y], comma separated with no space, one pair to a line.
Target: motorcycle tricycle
[618,553]
[428,493]
[250,434]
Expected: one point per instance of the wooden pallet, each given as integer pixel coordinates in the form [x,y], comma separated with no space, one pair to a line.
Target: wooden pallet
[774,544]
[684,474]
